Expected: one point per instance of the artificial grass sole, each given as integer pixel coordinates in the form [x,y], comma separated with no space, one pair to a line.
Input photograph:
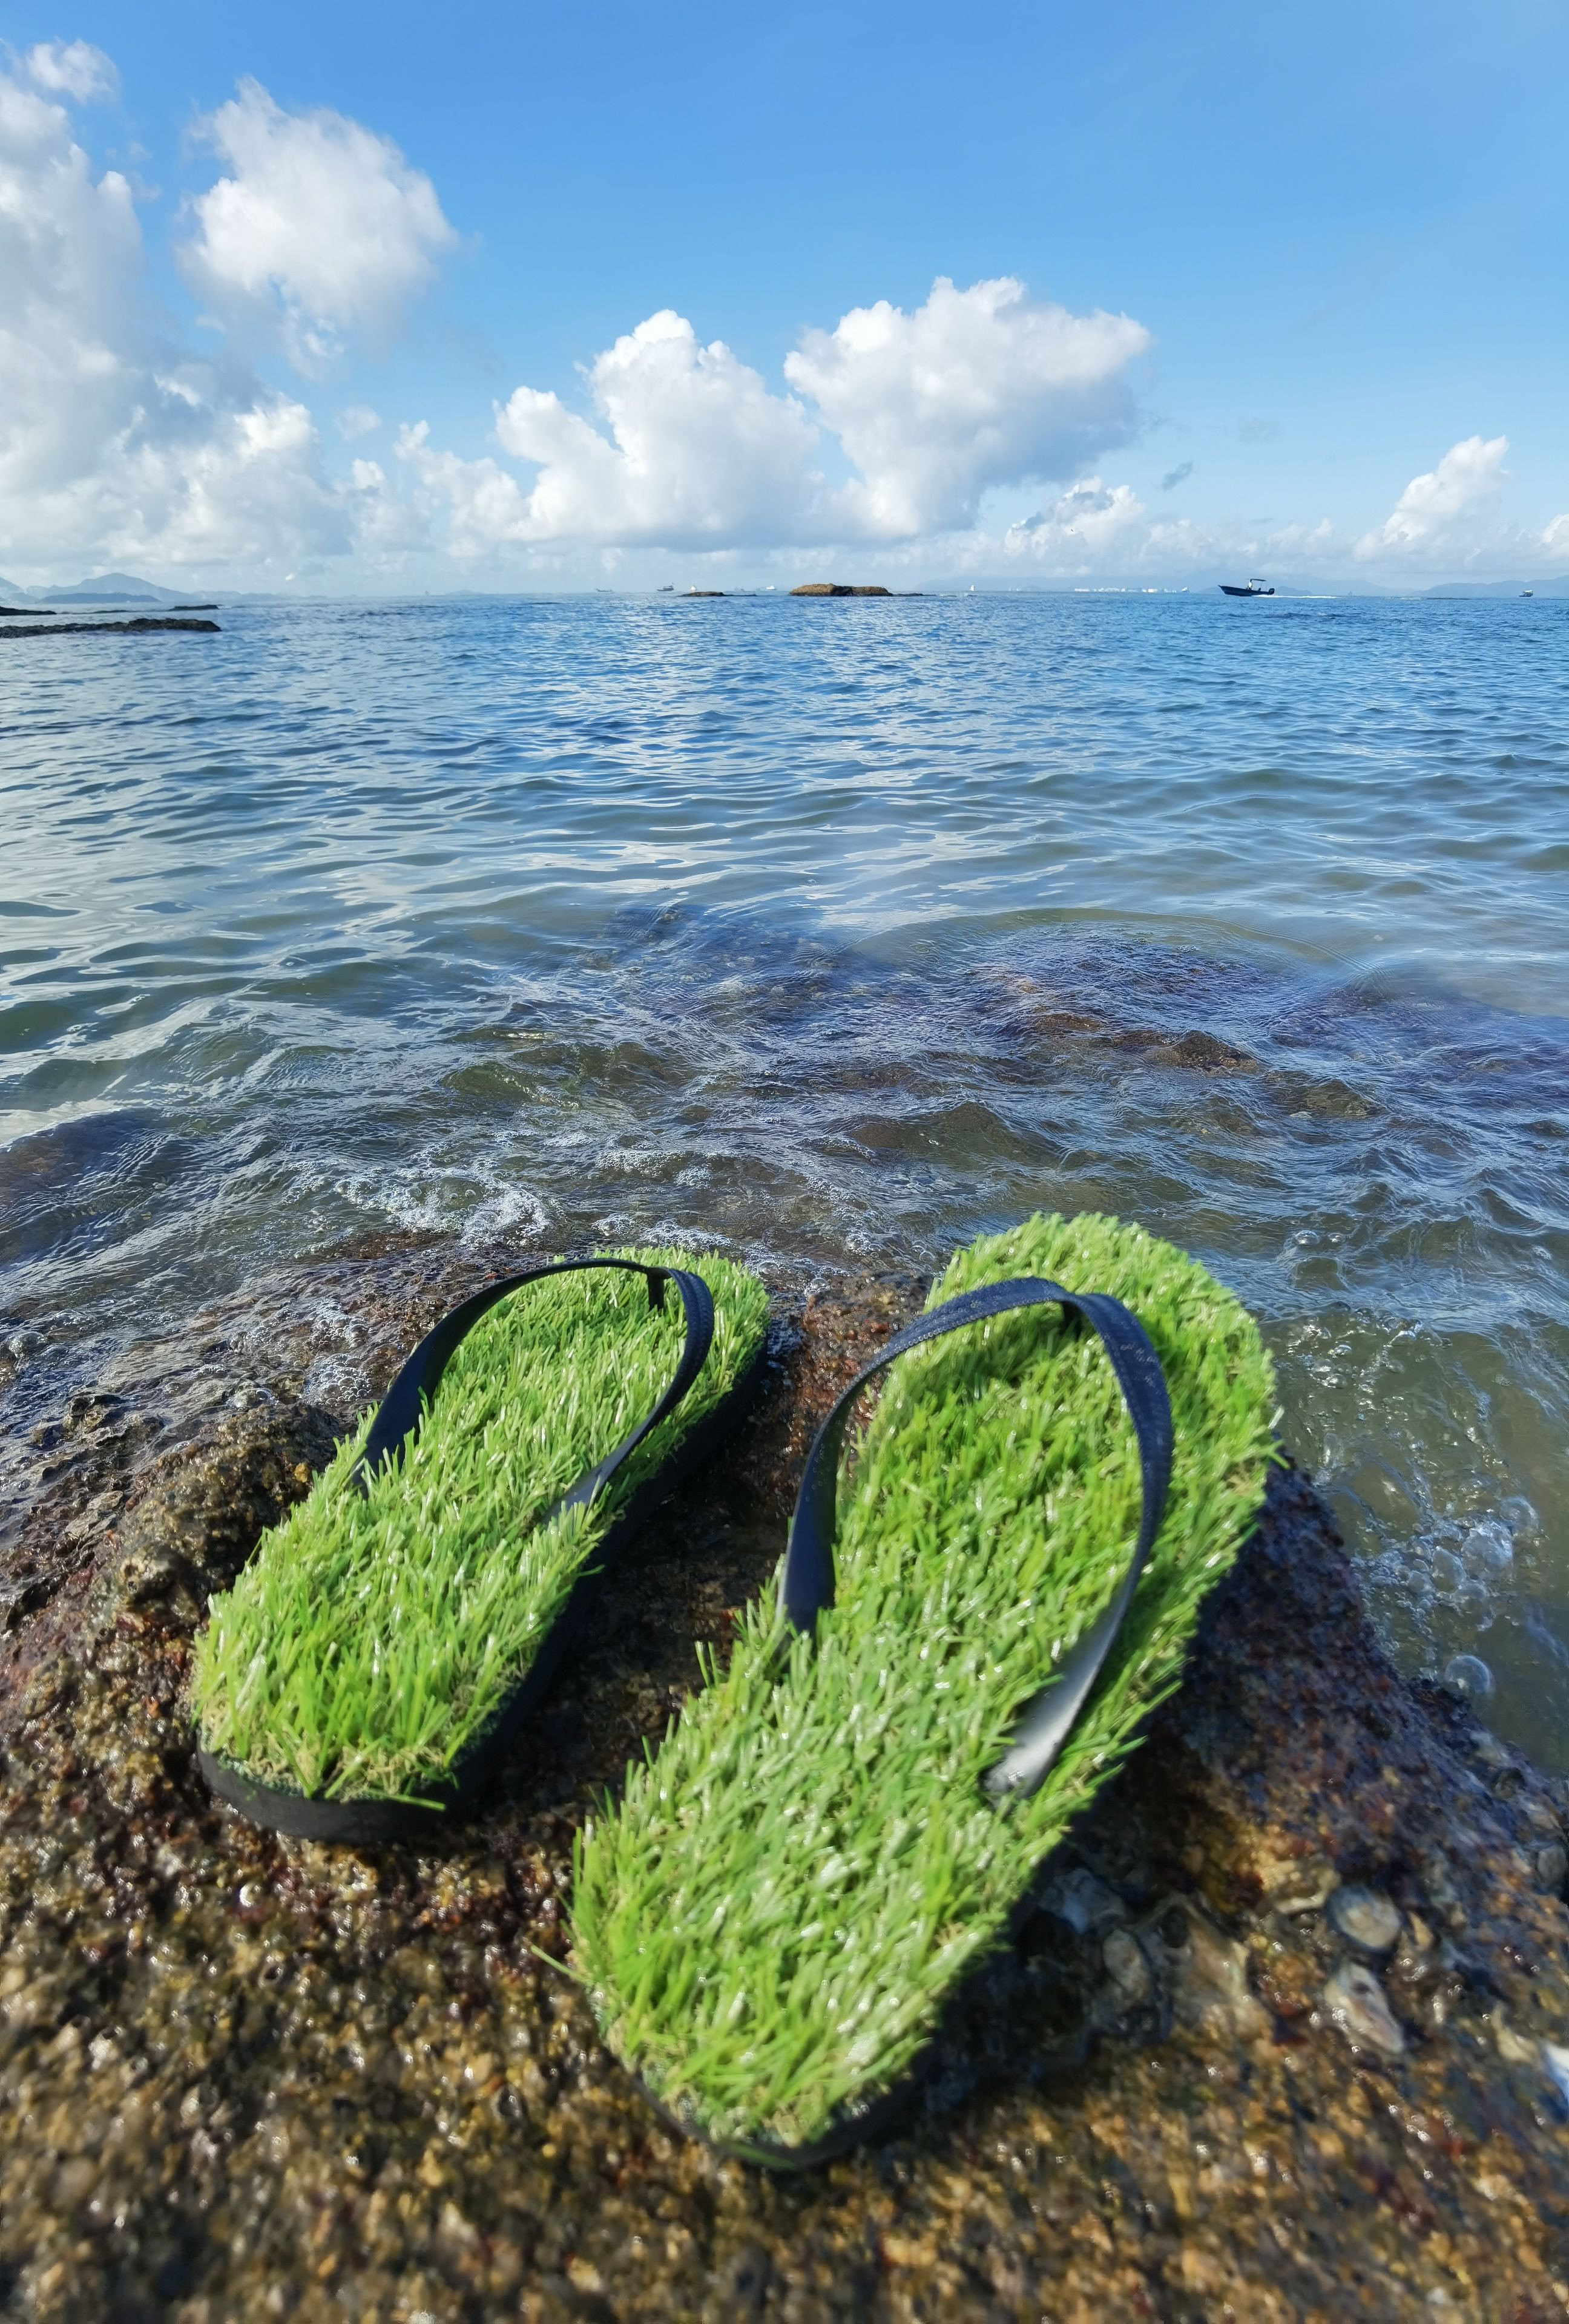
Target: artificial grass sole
[254,1681]
[772,1922]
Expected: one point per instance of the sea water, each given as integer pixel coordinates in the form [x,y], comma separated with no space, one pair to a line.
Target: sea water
[838,931]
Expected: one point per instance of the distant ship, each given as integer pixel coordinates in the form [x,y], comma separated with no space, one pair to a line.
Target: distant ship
[1253,589]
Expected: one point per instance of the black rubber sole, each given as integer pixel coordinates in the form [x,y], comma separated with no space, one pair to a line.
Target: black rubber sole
[372,1822]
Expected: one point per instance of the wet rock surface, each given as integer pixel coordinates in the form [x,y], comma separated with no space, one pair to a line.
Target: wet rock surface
[244,2076]
[119,628]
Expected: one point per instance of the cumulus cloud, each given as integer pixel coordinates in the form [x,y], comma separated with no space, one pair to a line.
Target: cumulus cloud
[481,504]
[1091,527]
[976,388]
[71,252]
[690,448]
[1100,530]
[321,232]
[114,446]
[357,420]
[699,454]
[72,69]
[1450,521]
[1449,515]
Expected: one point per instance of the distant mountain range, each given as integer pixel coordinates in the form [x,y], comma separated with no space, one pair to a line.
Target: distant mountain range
[102,589]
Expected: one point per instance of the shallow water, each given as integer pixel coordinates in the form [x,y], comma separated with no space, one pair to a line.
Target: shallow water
[839,929]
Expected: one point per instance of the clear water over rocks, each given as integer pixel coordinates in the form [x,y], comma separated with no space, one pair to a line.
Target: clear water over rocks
[839,930]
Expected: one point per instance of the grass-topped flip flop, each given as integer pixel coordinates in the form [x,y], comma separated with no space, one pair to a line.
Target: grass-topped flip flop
[846,1819]
[372,1664]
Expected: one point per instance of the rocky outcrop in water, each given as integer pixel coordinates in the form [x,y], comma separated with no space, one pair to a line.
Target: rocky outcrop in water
[839,589]
[121,629]
[1282,2036]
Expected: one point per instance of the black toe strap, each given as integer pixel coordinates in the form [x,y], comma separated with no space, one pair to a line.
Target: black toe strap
[807,1582]
[397,1421]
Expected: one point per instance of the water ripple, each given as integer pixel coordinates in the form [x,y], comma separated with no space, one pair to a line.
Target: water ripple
[840,929]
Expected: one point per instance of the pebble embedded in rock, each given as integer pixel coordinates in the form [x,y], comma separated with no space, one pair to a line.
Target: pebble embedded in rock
[1209,1985]
[1355,2001]
[1364,1919]
[1552,1866]
[1173,1928]
[1314,1881]
[1127,1968]
[1555,2058]
[1084,1903]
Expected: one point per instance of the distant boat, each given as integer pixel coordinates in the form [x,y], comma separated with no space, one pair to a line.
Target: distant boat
[1253,589]
[1528,592]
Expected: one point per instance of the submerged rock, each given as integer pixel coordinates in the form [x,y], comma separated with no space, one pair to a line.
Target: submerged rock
[246,2076]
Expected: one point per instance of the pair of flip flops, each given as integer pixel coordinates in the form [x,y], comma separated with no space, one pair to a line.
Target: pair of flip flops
[975,1614]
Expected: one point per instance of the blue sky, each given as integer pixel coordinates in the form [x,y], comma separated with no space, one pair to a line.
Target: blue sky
[1338,235]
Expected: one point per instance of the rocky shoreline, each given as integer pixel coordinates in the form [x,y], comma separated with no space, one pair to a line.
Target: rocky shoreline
[1282,2038]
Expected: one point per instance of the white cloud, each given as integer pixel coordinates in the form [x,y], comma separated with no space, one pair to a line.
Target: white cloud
[71,252]
[1097,529]
[1091,527]
[1445,523]
[1450,521]
[976,388]
[357,420]
[72,69]
[1450,516]
[321,231]
[700,453]
[385,522]
[694,450]
[114,446]
[485,508]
